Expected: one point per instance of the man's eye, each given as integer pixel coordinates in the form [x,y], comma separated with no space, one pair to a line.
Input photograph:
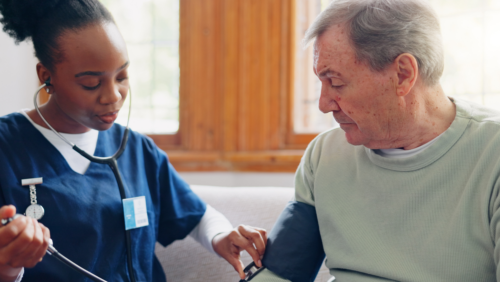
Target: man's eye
[337,86]
[122,79]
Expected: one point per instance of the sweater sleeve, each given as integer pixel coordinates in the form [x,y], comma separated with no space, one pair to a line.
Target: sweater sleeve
[304,180]
[495,226]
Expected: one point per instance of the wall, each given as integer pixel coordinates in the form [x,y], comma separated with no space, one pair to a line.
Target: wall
[17,75]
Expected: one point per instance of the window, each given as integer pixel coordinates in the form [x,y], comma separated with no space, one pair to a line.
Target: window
[151,31]
[471,41]
[307,117]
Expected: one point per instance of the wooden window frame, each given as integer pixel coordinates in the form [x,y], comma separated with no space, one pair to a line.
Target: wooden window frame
[236,88]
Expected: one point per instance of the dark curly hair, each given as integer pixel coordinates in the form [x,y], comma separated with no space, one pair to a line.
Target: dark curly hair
[45,20]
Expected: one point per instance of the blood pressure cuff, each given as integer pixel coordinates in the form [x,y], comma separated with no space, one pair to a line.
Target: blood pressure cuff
[294,249]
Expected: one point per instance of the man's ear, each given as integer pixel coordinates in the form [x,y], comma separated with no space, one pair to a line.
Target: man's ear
[407,71]
[43,73]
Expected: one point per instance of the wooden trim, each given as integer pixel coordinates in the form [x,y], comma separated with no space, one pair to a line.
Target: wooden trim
[272,161]
[299,141]
[236,88]
[167,142]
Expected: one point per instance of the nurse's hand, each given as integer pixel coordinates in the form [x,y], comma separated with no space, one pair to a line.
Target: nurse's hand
[23,243]
[251,239]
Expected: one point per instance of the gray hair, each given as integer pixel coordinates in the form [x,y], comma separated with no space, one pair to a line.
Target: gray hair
[381,30]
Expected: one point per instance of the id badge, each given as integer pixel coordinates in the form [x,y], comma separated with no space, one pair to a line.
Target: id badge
[136,212]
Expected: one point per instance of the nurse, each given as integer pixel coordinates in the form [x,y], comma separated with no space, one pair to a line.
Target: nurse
[84,60]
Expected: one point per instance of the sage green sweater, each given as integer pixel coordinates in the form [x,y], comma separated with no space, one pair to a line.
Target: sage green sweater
[430,217]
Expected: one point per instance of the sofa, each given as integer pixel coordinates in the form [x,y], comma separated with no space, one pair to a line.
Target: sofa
[188,261]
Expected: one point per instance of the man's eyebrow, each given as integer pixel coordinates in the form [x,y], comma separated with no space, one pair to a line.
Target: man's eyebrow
[98,73]
[326,72]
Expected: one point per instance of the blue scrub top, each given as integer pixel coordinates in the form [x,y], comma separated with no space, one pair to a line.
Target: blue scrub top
[84,212]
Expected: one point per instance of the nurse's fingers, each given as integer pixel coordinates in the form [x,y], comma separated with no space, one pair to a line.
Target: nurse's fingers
[7,211]
[256,235]
[244,243]
[45,241]
[263,232]
[17,250]
[238,266]
[10,232]
[46,235]
[39,247]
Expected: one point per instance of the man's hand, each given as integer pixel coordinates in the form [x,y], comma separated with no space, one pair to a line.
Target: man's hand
[251,239]
[23,243]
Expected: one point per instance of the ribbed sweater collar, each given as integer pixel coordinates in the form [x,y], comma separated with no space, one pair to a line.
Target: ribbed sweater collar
[448,139]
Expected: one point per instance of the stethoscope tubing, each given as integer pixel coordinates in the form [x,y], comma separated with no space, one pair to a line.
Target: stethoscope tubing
[53,252]
[112,163]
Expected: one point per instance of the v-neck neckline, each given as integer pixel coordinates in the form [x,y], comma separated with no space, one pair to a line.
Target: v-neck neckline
[35,136]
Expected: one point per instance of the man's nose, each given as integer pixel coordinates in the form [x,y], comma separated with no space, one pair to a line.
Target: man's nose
[327,102]
[110,95]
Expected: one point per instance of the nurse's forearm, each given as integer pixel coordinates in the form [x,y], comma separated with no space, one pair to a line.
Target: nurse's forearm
[211,224]
[267,275]
[9,274]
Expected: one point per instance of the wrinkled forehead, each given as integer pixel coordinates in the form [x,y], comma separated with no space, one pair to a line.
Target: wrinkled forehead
[333,49]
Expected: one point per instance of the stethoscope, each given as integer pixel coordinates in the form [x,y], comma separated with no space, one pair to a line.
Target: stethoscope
[112,163]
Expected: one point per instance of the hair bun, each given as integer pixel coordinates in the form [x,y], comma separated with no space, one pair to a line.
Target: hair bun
[20,17]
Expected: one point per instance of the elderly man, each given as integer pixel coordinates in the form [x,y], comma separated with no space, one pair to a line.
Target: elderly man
[407,189]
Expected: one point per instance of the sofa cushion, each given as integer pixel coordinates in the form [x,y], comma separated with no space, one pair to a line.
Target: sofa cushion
[186,260]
